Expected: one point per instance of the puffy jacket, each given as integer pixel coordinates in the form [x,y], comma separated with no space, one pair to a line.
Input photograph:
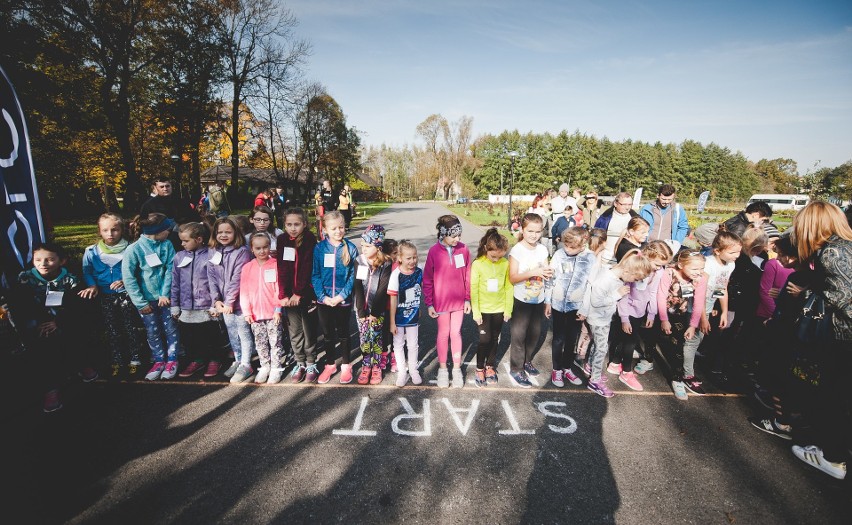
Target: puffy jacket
[98,273]
[190,284]
[338,279]
[603,220]
[564,292]
[224,278]
[144,283]
[259,290]
[294,277]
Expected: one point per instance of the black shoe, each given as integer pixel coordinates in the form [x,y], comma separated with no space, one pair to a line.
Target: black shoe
[694,385]
[764,398]
[770,427]
[530,369]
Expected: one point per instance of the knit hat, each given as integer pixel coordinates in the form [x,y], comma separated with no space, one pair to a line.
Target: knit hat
[563,187]
[374,234]
[705,233]
[771,230]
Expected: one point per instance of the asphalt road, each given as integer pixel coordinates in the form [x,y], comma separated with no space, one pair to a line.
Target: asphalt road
[208,452]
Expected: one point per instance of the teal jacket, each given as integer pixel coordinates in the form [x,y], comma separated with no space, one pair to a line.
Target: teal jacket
[145,283]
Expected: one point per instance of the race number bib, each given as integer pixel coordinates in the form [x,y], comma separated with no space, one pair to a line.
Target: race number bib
[153,260]
[328,260]
[459,258]
[184,262]
[53,298]
[216,258]
[493,285]
[288,254]
[361,273]
[269,276]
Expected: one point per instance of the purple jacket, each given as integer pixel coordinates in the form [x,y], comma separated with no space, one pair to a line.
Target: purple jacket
[638,302]
[190,287]
[224,278]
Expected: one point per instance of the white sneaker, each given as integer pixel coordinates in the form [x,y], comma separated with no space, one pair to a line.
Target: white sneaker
[275,376]
[170,371]
[229,373]
[443,378]
[813,456]
[643,366]
[679,390]
[262,374]
[401,377]
[458,378]
[415,375]
[243,372]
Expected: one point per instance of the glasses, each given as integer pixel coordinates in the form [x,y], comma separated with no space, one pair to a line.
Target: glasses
[261,220]
[629,203]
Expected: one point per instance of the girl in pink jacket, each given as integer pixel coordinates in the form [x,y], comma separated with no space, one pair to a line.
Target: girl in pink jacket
[261,308]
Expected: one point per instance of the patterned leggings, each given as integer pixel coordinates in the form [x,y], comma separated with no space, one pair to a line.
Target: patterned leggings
[370,334]
[267,341]
[123,328]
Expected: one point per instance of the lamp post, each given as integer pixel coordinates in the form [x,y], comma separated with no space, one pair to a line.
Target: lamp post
[176,161]
[512,154]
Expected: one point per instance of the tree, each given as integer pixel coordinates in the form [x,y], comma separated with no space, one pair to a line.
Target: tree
[446,151]
[778,175]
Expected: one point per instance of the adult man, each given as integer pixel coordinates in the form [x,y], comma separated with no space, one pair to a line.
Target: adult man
[614,220]
[755,213]
[218,203]
[279,200]
[667,218]
[563,199]
[168,204]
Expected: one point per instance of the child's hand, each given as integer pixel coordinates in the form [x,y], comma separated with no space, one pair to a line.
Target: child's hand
[623,290]
[627,328]
[163,301]
[773,292]
[328,301]
[116,285]
[546,272]
[547,311]
[666,327]
[432,313]
[723,321]
[212,311]
[89,293]
[704,325]
[393,328]
[147,310]
[648,323]
[690,333]
[477,319]
[285,302]
[794,290]
[467,307]
[227,309]
[506,318]
[581,317]
[249,319]
[276,318]
[295,300]
[47,328]
[371,319]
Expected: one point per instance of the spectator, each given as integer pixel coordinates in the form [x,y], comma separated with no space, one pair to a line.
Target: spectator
[559,202]
[279,200]
[667,218]
[218,201]
[614,220]
[591,209]
[168,204]
[264,198]
[328,197]
[755,213]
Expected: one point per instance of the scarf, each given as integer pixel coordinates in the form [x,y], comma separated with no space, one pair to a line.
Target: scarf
[118,248]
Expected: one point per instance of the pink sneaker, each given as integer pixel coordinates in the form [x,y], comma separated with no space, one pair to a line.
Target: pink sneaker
[571,377]
[327,372]
[614,368]
[192,368]
[383,360]
[555,378]
[345,374]
[51,401]
[629,379]
[393,362]
[213,368]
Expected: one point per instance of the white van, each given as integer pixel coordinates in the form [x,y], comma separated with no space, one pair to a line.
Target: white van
[779,201]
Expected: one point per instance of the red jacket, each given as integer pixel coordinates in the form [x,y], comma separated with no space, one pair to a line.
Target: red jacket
[295,276]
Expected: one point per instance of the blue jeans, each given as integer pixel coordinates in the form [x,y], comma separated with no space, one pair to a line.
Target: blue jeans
[160,325]
[240,336]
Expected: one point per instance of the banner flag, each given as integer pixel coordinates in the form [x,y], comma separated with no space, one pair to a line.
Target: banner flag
[702,200]
[636,197]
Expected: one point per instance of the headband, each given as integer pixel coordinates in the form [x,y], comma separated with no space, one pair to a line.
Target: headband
[453,231]
[153,229]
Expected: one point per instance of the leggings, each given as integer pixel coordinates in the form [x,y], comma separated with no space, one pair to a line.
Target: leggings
[302,327]
[489,334]
[449,327]
[122,323]
[526,328]
[679,351]
[566,332]
[239,333]
[598,349]
[267,341]
[160,325]
[334,321]
[406,335]
[627,343]
[370,334]
[201,340]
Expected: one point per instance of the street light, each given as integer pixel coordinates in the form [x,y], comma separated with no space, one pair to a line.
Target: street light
[512,154]
[176,161]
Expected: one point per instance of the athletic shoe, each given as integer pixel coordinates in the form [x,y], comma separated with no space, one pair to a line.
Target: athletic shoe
[458,377]
[813,456]
[88,374]
[587,369]
[298,374]
[480,378]
[327,372]
[600,389]
[520,379]
[556,378]
[694,385]
[364,376]
[275,376]
[192,368]
[443,378]
[490,375]
[401,378]
[614,368]
[578,363]
[312,373]
[155,371]
[636,354]
[643,367]
[571,377]
[383,360]
[530,369]
[345,374]
[393,362]
[629,379]
[415,375]
[133,368]
[262,375]
[213,368]
[229,373]
[764,398]
[376,377]
[679,390]
[115,371]
[243,372]
[770,426]
[52,403]
[170,371]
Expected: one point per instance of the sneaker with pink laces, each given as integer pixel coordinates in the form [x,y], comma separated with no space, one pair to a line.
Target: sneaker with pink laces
[393,362]
[327,372]
[556,378]
[52,403]
[192,368]
[213,368]
[571,377]
[155,371]
[614,368]
[170,371]
[629,379]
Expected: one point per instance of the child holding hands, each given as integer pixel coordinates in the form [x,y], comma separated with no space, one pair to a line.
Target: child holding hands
[260,306]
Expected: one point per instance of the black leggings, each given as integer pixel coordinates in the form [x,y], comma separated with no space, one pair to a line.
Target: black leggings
[566,332]
[334,322]
[627,343]
[201,341]
[526,327]
[489,333]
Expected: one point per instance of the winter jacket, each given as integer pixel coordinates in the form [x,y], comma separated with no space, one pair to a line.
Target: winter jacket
[642,299]
[560,226]
[144,283]
[481,300]
[371,292]
[744,287]
[294,277]
[445,286]
[28,296]
[259,290]
[680,223]
[338,278]
[190,283]
[98,273]
[564,292]
[603,220]
[223,276]
[601,298]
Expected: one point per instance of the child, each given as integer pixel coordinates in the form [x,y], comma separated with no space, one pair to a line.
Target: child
[295,261]
[46,304]
[719,266]
[744,291]
[102,275]
[563,297]
[446,292]
[638,310]
[597,243]
[600,304]
[225,266]
[491,300]
[333,276]
[391,249]
[406,282]
[371,302]
[680,306]
[191,302]
[147,275]
[775,275]
[261,218]
[261,309]
[633,237]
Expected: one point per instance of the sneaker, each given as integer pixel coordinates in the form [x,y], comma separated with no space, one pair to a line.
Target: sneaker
[383,360]
[694,385]
[364,376]
[170,371]
[490,375]
[213,368]
[679,390]
[401,378]
[480,378]
[764,398]
[600,389]
[327,372]
[415,375]
[275,375]
[115,371]
[587,369]
[530,369]
[770,426]
[571,377]
[629,379]
[443,378]
[88,374]
[262,374]
[192,368]
[229,373]
[643,367]
[458,377]
[636,354]
[520,379]
[345,374]
[556,378]
[243,372]
[312,373]
[155,371]
[133,368]
[578,363]
[393,362]
[298,375]
[52,403]
[376,376]
[614,368]
[813,456]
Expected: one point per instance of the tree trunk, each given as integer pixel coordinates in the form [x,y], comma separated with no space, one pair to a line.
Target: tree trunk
[235,139]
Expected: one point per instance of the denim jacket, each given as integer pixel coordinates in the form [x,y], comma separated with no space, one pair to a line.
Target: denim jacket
[564,291]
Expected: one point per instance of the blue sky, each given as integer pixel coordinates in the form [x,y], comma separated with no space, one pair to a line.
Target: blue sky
[769,79]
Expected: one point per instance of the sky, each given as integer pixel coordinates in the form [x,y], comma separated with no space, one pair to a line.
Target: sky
[767,78]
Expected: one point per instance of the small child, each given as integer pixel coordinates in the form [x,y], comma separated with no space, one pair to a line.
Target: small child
[775,275]
[406,282]
[563,296]
[491,299]
[633,238]
[261,218]
[102,275]
[261,308]
[191,302]
[719,266]
[371,302]
[391,249]
[744,291]
[597,243]
[446,293]
[147,275]
[600,304]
